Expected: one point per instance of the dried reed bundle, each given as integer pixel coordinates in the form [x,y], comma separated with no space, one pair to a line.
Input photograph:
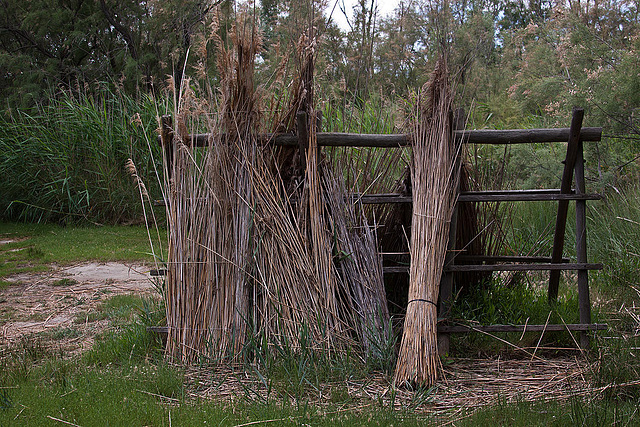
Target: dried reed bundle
[288,298]
[360,266]
[251,248]
[433,177]
[296,292]
[319,236]
[209,212]
[297,287]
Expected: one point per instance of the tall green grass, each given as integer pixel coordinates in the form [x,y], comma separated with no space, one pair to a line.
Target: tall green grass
[65,159]
[614,240]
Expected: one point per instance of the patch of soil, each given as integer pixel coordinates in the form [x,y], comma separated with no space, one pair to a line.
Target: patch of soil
[57,306]
[7,241]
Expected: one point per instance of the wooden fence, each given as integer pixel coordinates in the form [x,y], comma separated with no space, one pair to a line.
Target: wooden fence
[573,173]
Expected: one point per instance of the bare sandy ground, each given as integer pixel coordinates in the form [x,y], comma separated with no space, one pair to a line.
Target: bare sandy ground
[57,306]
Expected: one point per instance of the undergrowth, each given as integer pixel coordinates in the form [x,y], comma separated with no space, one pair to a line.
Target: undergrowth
[500,303]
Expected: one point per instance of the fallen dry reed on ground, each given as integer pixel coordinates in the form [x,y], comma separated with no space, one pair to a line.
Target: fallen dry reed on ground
[466,385]
[434,176]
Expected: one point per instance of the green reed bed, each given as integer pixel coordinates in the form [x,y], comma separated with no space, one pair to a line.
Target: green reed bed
[65,159]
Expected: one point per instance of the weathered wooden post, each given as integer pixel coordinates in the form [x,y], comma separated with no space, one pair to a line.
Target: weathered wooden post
[563,205]
[446,284]
[584,304]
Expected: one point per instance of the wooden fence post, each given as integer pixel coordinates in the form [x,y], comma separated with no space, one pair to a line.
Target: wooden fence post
[563,205]
[584,304]
[446,283]
[302,122]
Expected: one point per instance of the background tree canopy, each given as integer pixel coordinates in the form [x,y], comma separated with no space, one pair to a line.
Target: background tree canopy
[516,63]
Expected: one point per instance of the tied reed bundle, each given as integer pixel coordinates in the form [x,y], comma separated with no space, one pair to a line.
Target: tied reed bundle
[209,212]
[433,176]
[360,266]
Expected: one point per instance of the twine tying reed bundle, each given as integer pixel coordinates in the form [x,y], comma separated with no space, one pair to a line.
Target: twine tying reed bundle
[434,174]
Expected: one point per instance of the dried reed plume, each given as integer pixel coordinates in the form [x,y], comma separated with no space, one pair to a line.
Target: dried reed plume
[433,176]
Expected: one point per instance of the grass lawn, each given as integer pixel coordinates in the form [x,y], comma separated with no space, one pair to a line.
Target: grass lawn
[35,246]
[125,380]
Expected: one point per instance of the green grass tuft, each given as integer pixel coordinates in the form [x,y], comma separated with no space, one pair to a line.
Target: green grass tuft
[64,282]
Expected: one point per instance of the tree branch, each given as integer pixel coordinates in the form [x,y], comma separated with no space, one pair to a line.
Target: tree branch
[26,36]
[126,34]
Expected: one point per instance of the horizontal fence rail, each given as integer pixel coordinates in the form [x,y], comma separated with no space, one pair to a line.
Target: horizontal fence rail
[457,329]
[482,196]
[563,266]
[467,196]
[524,328]
[484,136]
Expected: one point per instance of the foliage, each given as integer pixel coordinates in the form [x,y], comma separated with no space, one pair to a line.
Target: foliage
[517,64]
[614,240]
[517,300]
[46,44]
[65,161]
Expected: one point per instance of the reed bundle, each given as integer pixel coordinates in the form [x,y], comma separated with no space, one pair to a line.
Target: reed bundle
[360,266]
[209,215]
[252,249]
[434,174]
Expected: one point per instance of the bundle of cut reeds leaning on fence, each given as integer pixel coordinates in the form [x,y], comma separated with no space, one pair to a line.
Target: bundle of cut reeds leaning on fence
[434,175]
[254,253]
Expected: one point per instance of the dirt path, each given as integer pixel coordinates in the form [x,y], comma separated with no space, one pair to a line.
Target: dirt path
[59,307]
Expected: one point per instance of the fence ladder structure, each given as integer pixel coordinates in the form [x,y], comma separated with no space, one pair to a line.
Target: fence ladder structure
[555,264]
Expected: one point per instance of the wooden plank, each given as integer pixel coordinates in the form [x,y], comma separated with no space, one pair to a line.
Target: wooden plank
[505,267]
[527,191]
[469,196]
[158,273]
[563,205]
[526,136]
[484,328]
[524,328]
[504,258]
[484,136]
[476,258]
[337,139]
[526,267]
[396,269]
[584,304]
[466,197]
